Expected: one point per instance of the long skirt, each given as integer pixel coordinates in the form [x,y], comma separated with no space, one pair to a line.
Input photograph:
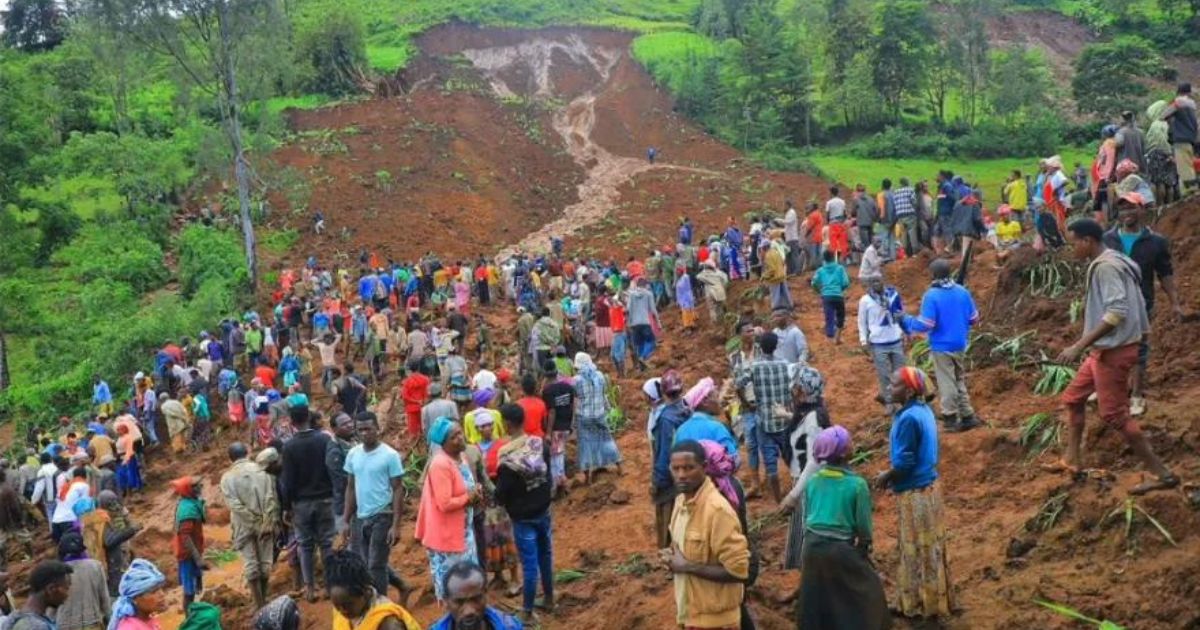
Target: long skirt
[440,562]
[603,337]
[793,547]
[500,548]
[129,476]
[1161,167]
[839,588]
[596,446]
[558,457]
[923,579]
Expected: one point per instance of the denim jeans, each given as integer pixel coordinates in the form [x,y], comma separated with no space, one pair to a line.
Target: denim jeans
[835,314]
[642,336]
[313,521]
[619,350]
[368,538]
[533,543]
[750,429]
[774,447]
[781,296]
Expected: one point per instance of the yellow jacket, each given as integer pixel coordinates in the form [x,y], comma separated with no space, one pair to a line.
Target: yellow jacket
[1017,195]
[774,270]
[380,611]
[713,536]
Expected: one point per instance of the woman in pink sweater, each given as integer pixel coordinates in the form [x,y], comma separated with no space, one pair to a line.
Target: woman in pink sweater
[447,502]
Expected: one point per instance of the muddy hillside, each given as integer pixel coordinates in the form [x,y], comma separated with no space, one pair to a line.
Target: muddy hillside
[508,137]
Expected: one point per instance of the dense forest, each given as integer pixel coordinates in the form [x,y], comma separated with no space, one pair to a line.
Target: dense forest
[115,113]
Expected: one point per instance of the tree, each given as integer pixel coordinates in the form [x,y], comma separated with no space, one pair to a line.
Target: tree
[333,52]
[844,36]
[967,50]
[941,80]
[58,224]
[721,19]
[24,129]
[901,32]
[1106,75]
[212,43]
[1020,82]
[32,25]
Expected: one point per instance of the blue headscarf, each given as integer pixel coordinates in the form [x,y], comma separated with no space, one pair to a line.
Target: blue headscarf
[141,578]
[441,430]
[83,506]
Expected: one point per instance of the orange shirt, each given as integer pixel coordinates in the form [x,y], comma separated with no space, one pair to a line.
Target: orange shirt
[266,374]
[414,390]
[535,415]
[616,317]
[815,223]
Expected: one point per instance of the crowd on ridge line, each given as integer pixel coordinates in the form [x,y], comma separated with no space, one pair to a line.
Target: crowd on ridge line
[496,460]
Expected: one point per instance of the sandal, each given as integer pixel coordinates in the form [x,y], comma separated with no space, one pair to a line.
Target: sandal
[1162,483]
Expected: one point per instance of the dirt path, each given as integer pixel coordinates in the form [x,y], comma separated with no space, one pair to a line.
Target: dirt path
[575,122]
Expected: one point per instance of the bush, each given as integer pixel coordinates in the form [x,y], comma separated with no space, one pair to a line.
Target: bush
[333,53]
[207,253]
[991,138]
[900,142]
[117,251]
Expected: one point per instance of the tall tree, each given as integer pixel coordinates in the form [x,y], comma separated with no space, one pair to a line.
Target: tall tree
[1107,73]
[32,25]
[967,39]
[1020,82]
[844,37]
[212,41]
[901,32]
[941,77]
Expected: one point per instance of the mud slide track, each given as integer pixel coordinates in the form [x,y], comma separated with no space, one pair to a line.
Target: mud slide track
[605,172]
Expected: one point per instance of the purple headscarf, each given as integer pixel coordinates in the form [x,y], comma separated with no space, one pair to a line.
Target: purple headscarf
[832,443]
[719,466]
[482,397]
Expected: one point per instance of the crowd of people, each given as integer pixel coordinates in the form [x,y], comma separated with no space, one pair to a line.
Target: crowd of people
[488,431]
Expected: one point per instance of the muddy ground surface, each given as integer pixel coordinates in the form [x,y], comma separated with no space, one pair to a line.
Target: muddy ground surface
[479,179]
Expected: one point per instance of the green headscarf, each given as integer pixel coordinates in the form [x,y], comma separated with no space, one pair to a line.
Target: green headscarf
[202,616]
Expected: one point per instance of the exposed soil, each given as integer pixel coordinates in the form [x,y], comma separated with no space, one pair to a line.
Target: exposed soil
[607,111]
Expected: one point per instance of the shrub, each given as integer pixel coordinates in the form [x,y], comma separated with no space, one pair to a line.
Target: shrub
[333,52]
[207,253]
[117,251]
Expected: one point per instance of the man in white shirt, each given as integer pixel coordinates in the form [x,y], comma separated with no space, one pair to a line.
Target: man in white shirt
[791,236]
[879,332]
[63,518]
[484,378]
[835,208]
[45,490]
[872,263]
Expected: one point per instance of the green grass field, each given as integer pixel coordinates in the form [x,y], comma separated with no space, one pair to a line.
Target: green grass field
[990,174]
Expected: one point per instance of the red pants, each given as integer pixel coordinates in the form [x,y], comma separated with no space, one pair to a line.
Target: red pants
[414,422]
[1105,372]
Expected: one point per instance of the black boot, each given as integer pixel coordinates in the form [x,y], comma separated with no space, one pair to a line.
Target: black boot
[950,424]
[968,423]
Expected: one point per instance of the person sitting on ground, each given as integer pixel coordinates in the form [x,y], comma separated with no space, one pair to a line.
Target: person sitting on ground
[356,603]
[49,588]
[1008,234]
[281,614]
[467,602]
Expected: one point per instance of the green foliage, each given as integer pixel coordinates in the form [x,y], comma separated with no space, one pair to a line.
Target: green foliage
[332,53]
[900,45]
[32,25]
[1040,432]
[207,253]
[1020,81]
[144,170]
[1107,75]
[57,225]
[117,251]
[277,241]
[1054,380]
[1071,613]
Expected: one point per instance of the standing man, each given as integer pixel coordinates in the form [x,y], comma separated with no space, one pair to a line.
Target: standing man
[335,463]
[524,489]
[791,237]
[792,347]
[835,208]
[102,399]
[715,283]
[947,315]
[375,499]
[254,510]
[1152,252]
[771,382]
[879,333]
[906,205]
[49,587]
[1181,116]
[866,215]
[709,555]
[1130,142]
[641,312]
[307,494]
[832,282]
[1114,322]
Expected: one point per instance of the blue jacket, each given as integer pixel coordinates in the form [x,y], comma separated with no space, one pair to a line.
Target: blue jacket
[702,426]
[914,447]
[672,417]
[496,619]
[947,314]
[831,280]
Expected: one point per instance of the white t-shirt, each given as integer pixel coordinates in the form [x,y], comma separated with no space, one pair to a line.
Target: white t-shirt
[484,379]
[835,208]
[791,226]
[64,511]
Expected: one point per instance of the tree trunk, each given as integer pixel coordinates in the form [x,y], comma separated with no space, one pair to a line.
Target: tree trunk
[5,380]
[234,126]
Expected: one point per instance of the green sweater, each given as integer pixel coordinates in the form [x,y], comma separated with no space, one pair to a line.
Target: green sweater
[831,280]
[838,503]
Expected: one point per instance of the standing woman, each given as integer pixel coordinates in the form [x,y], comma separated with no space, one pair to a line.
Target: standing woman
[1160,157]
[923,580]
[839,587]
[685,298]
[596,446]
[810,417]
[129,473]
[448,499]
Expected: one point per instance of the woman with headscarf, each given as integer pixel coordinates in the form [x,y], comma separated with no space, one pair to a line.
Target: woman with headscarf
[281,614]
[839,587]
[923,579]
[1160,156]
[652,389]
[720,467]
[92,523]
[455,372]
[597,449]
[141,598]
[810,416]
[1052,219]
[703,424]
[448,499]
[188,542]
[1129,181]
[481,399]
[685,298]
[116,536]
[88,603]
[493,528]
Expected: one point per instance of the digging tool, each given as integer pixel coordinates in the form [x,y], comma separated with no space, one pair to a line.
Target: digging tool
[961,276]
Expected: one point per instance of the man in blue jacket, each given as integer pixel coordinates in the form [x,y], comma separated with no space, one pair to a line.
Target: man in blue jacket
[662,485]
[466,602]
[947,315]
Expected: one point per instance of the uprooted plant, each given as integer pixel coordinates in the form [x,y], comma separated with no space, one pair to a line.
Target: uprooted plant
[1040,432]
[1047,515]
[1013,349]
[1053,278]
[1054,380]
[1130,510]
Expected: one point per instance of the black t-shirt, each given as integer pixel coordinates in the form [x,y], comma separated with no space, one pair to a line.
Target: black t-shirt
[560,400]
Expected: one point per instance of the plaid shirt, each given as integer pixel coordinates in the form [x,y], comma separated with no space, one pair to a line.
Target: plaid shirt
[906,201]
[772,390]
[592,402]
